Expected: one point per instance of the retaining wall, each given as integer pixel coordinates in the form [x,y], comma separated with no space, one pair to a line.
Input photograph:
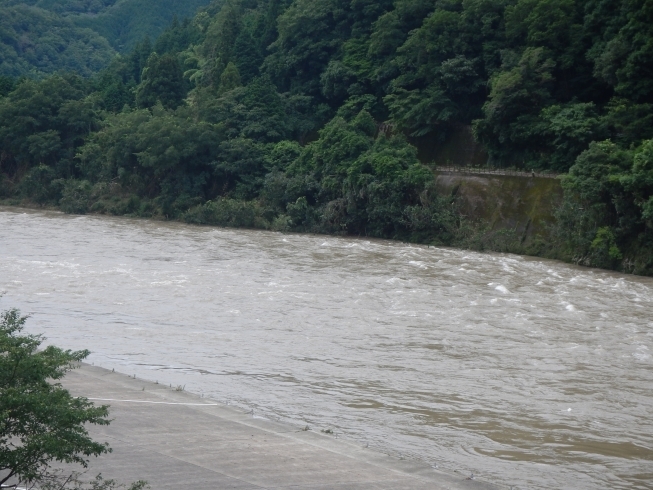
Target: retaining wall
[523,204]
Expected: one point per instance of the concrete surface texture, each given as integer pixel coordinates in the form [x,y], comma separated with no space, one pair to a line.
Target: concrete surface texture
[523,204]
[176,440]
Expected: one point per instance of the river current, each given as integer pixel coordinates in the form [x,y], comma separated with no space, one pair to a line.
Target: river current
[524,371]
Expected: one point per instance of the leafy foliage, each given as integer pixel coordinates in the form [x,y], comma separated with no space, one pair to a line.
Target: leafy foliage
[305,115]
[605,220]
[40,422]
[161,81]
[36,42]
[125,23]
[41,37]
[41,126]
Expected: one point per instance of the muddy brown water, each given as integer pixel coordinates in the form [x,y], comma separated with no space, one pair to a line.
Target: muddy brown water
[526,372]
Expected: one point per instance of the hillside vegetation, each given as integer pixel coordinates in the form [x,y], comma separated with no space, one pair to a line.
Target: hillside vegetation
[303,115]
[41,37]
[35,42]
[126,22]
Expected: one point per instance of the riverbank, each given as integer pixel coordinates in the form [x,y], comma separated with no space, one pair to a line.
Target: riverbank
[523,231]
[505,214]
[174,439]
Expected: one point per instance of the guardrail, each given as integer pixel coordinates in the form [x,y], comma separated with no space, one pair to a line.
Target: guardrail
[494,171]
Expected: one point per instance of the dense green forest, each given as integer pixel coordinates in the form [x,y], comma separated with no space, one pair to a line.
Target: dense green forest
[35,42]
[41,37]
[126,22]
[306,115]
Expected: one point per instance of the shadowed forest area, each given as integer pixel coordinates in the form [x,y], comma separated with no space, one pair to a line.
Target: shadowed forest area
[304,115]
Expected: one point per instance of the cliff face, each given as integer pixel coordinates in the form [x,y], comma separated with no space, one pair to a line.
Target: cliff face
[525,205]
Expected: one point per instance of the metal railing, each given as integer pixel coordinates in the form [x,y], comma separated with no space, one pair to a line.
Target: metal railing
[494,171]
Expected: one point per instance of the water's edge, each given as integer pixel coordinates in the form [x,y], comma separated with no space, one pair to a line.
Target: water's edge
[523,230]
[131,386]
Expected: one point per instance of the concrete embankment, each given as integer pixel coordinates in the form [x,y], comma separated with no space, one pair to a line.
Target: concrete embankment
[523,204]
[176,440]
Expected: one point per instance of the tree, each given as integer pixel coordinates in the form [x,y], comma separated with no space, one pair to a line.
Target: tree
[513,106]
[43,123]
[248,55]
[310,33]
[137,59]
[6,85]
[40,421]
[230,79]
[35,42]
[624,59]
[162,81]
[220,41]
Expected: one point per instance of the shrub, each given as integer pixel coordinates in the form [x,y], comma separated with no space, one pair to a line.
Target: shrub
[227,212]
[76,196]
[38,185]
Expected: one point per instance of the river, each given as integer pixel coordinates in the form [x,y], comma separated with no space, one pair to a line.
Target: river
[527,372]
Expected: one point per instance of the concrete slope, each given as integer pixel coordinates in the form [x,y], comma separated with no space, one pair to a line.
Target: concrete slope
[523,204]
[176,440]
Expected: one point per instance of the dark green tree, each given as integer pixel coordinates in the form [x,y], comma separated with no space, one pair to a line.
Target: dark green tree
[43,123]
[510,129]
[35,43]
[623,54]
[162,81]
[178,37]
[310,33]
[248,55]
[230,79]
[137,60]
[7,84]
[219,42]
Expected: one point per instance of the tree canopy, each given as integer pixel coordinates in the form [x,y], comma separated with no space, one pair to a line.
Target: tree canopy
[40,422]
[41,37]
[36,42]
[306,115]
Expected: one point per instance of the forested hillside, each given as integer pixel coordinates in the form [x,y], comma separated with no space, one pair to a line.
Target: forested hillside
[35,42]
[304,115]
[127,22]
[65,7]
[40,37]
